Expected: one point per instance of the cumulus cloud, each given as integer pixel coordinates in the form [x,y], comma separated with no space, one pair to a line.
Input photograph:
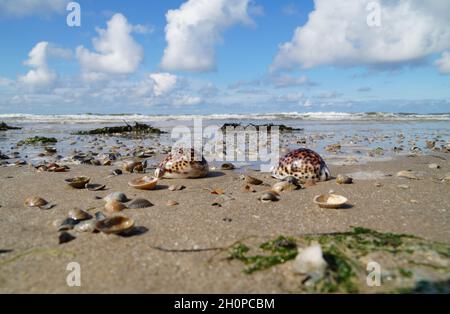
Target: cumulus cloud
[194,30]
[116,52]
[337,33]
[163,83]
[41,75]
[443,64]
[22,8]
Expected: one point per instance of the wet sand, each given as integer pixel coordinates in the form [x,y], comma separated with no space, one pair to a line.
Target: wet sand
[31,260]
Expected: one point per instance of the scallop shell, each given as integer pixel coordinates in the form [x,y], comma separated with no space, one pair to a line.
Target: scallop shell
[79,214]
[114,206]
[330,200]
[115,225]
[144,183]
[78,182]
[94,186]
[139,203]
[116,196]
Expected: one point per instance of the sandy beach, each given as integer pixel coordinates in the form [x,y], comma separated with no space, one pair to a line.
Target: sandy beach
[31,260]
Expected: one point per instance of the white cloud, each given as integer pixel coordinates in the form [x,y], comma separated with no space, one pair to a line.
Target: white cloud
[41,75]
[163,83]
[187,100]
[337,33]
[443,64]
[21,8]
[193,31]
[284,81]
[116,51]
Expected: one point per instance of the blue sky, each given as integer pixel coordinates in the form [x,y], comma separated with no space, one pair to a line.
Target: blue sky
[225,56]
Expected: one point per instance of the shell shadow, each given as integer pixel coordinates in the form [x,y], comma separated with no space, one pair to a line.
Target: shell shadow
[136,231]
[5,251]
[215,174]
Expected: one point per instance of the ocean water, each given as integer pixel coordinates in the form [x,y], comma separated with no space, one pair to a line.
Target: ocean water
[361,135]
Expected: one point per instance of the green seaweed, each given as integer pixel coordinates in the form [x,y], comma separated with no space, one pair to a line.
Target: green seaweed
[342,252]
[38,140]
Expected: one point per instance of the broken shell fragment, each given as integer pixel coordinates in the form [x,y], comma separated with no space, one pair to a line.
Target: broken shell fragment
[115,225]
[144,183]
[407,175]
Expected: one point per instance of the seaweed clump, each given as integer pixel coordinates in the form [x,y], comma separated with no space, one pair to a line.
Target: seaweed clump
[5,127]
[137,128]
[38,140]
[269,126]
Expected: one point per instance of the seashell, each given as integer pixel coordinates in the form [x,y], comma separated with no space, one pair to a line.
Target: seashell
[116,196]
[99,216]
[131,166]
[430,144]
[78,182]
[65,237]
[343,179]
[86,226]
[144,183]
[227,166]
[79,214]
[35,201]
[434,166]
[172,203]
[270,196]
[50,150]
[67,224]
[176,187]
[252,180]
[407,175]
[115,225]
[116,172]
[114,206]
[94,186]
[330,200]
[284,186]
[139,203]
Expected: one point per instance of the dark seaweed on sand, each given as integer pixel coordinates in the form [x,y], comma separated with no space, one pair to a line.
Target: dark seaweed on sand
[138,128]
[5,127]
[269,126]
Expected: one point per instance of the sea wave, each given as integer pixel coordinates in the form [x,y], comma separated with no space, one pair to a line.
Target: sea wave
[326,116]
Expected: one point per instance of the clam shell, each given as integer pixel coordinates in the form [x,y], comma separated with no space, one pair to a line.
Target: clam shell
[86,226]
[407,175]
[131,166]
[94,186]
[270,196]
[139,203]
[116,196]
[115,225]
[343,179]
[114,206]
[252,180]
[99,216]
[330,200]
[65,237]
[35,201]
[144,183]
[227,166]
[78,182]
[172,203]
[176,187]
[79,214]
[284,186]
[67,224]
